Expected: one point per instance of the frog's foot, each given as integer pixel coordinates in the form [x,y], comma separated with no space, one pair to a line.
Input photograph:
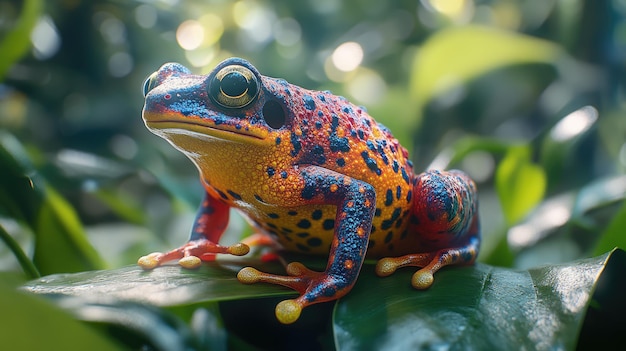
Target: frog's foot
[192,254]
[314,287]
[430,263]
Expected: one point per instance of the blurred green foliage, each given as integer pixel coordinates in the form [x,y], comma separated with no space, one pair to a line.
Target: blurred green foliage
[526,96]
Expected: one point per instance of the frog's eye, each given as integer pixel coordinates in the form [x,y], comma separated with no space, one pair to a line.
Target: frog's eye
[234,86]
[149,84]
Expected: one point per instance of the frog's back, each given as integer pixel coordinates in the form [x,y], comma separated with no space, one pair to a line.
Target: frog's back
[330,132]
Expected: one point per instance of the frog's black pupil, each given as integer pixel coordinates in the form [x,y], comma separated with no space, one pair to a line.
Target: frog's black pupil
[234,84]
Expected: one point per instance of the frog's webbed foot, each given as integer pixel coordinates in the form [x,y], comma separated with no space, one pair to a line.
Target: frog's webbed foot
[430,263]
[314,287]
[192,254]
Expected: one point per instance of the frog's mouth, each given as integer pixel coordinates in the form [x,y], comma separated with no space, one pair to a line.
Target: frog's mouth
[160,123]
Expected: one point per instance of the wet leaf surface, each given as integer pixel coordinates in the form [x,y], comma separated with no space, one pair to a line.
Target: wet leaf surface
[482,307]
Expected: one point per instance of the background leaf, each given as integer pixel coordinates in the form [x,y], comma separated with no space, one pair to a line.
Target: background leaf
[520,184]
[60,234]
[25,196]
[458,54]
[614,234]
[16,42]
[30,323]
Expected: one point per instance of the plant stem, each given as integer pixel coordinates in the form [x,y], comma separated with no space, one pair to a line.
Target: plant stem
[27,265]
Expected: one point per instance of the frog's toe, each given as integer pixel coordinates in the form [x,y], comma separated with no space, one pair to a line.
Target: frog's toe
[422,279]
[249,275]
[386,267]
[149,261]
[239,249]
[288,311]
[190,262]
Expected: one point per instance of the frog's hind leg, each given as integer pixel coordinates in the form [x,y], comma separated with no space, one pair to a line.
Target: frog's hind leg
[444,216]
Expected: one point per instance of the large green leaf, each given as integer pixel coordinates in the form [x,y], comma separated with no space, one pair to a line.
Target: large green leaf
[480,307]
[168,285]
[456,55]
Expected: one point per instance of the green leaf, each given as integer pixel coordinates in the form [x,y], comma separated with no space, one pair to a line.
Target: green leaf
[479,307]
[30,323]
[122,205]
[139,326]
[457,151]
[16,42]
[453,56]
[60,241]
[614,235]
[520,184]
[61,244]
[168,285]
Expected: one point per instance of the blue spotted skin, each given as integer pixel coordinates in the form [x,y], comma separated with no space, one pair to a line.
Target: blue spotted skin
[313,171]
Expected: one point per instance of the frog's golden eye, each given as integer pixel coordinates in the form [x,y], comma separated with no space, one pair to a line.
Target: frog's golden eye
[234,86]
[149,84]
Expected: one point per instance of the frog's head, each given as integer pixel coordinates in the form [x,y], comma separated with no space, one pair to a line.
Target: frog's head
[232,103]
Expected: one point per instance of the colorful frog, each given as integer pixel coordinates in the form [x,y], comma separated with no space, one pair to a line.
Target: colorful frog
[312,171]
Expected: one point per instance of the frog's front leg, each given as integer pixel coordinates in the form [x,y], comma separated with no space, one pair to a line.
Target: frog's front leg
[444,215]
[356,202]
[209,225]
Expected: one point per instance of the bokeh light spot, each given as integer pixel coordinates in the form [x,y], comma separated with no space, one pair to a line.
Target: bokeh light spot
[213,28]
[112,29]
[287,31]
[368,87]
[190,34]
[255,20]
[146,16]
[455,10]
[120,64]
[574,124]
[347,56]
[45,38]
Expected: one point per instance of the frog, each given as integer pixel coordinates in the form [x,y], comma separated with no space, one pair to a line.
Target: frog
[313,173]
